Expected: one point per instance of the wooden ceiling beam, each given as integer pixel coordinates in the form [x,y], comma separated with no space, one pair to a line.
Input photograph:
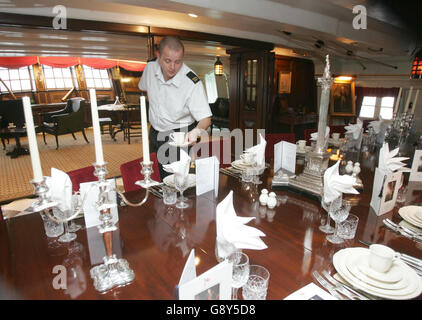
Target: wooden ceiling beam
[43,22]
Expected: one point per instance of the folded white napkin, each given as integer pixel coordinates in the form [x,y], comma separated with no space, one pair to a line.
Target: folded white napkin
[388,162]
[60,189]
[259,151]
[335,184]
[232,233]
[181,167]
[355,129]
[314,135]
[375,125]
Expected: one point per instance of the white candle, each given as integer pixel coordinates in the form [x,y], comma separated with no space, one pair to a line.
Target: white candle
[414,102]
[406,107]
[145,142]
[396,108]
[96,127]
[32,140]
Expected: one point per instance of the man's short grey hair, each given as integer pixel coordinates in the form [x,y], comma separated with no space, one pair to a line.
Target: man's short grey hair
[173,43]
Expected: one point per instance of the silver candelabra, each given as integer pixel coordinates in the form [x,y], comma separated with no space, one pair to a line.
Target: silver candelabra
[114,272]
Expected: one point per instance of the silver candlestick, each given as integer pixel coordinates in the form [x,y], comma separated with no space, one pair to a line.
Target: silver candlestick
[113,272]
[310,180]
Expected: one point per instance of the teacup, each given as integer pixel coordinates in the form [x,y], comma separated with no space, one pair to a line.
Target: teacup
[336,136]
[301,144]
[381,257]
[247,157]
[178,137]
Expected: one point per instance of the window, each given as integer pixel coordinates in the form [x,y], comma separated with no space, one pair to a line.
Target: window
[17,80]
[96,78]
[59,78]
[375,107]
[216,87]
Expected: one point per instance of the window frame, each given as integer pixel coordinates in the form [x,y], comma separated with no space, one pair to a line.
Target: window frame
[72,73]
[9,84]
[377,106]
[84,67]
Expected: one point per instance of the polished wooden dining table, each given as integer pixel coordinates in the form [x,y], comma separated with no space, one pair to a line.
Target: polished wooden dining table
[156,240]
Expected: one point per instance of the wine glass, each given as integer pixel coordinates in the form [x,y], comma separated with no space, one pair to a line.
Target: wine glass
[240,272]
[338,216]
[76,203]
[67,236]
[181,183]
[333,205]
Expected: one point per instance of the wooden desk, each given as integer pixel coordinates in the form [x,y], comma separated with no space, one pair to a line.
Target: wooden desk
[150,238]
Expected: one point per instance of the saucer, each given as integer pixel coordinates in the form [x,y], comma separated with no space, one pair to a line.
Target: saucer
[183,145]
[412,290]
[361,262]
[240,165]
[169,180]
[408,213]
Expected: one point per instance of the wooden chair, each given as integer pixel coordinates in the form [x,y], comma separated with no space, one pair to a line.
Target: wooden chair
[131,172]
[132,124]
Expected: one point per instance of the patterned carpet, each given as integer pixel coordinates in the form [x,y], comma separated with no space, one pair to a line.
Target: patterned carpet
[15,174]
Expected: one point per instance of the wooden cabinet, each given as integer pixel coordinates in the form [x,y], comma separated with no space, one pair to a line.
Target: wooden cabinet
[251,74]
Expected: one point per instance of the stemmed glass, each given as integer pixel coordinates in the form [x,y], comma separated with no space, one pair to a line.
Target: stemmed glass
[240,272]
[333,205]
[338,216]
[181,183]
[67,236]
[76,202]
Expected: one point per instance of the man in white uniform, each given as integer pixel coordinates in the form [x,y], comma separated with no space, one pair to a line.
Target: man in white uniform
[177,99]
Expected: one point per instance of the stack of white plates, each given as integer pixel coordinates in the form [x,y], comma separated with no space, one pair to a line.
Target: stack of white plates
[412,215]
[241,164]
[400,282]
[169,180]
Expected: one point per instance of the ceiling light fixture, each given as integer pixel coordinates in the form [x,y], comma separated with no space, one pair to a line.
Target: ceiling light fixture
[218,67]
[192,15]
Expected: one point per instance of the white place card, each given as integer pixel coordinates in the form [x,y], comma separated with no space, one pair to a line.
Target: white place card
[214,284]
[384,191]
[89,192]
[310,292]
[207,175]
[285,156]
[189,271]
[416,171]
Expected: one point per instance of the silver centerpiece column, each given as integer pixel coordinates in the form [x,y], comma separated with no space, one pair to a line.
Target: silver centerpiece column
[316,161]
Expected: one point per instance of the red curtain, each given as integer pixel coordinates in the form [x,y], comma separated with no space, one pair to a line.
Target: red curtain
[17,62]
[373,92]
[64,62]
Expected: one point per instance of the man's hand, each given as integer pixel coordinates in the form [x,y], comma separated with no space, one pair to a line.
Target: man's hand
[192,136]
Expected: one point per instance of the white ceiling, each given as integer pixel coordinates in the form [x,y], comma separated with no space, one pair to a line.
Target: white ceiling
[265,20]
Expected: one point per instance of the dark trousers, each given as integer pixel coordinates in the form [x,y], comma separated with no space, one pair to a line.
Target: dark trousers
[155,144]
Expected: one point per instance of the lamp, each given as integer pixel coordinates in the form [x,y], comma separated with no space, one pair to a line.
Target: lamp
[416,72]
[218,67]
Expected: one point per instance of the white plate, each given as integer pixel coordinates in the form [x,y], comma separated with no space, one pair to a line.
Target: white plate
[169,180]
[408,213]
[391,280]
[412,291]
[183,145]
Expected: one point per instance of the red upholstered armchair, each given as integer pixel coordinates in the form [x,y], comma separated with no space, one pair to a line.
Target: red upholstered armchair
[273,138]
[81,175]
[131,172]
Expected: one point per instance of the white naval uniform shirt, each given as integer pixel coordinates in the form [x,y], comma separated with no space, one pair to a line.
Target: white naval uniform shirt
[175,103]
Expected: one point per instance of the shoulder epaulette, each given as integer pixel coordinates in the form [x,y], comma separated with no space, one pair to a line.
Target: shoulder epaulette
[192,76]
